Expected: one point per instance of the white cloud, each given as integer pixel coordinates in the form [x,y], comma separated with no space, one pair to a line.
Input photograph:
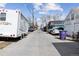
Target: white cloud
[53,6]
[44,8]
[42,12]
[37,6]
[39,21]
[2,5]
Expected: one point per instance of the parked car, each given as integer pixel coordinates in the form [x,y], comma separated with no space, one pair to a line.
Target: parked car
[55,30]
[44,29]
[31,29]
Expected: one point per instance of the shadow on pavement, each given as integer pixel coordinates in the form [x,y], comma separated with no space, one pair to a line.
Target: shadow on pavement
[9,39]
[68,38]
[67,48]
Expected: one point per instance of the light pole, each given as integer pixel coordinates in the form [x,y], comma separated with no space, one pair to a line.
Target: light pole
[33,18]
[48,19]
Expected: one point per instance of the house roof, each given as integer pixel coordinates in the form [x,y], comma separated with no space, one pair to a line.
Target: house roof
[75,10]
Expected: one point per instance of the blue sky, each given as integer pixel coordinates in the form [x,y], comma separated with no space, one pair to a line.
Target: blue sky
[41,8]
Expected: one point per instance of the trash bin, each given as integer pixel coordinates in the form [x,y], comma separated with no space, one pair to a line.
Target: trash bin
[62,35]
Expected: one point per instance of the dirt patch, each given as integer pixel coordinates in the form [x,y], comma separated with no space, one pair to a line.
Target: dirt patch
[4,44]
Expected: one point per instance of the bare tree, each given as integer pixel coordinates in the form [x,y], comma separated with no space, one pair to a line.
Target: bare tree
[57,16]
[45,19]
[32,12]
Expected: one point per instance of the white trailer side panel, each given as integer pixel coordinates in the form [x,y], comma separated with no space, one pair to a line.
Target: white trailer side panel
[22,25]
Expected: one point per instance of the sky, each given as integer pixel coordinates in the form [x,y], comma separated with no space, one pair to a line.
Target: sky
[41,8]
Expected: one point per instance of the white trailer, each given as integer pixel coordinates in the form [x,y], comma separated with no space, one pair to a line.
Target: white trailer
[12,23]
[71,24]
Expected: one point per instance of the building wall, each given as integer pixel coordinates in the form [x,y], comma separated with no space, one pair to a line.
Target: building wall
[72,22]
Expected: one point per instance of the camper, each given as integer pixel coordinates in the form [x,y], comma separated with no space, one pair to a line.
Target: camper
[13,24]
[71,24]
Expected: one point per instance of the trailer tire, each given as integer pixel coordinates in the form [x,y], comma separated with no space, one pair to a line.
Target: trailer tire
[21,36]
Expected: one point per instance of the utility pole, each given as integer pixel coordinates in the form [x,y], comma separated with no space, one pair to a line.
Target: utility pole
[32,15]
[30,12]
[47,21]
[33,18]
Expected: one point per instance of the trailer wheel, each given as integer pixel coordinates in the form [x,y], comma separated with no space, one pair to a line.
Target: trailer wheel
[20,37]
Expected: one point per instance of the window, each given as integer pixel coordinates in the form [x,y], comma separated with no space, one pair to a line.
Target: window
[2,16]
[68,18]
[77,16]
[72,16]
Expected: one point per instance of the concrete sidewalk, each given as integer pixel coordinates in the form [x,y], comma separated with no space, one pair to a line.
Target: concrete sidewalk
[37,43]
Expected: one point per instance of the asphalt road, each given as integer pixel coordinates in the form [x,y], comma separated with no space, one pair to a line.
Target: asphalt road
[39,43]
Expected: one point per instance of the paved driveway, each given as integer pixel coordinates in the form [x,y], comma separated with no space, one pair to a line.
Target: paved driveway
[37,43]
